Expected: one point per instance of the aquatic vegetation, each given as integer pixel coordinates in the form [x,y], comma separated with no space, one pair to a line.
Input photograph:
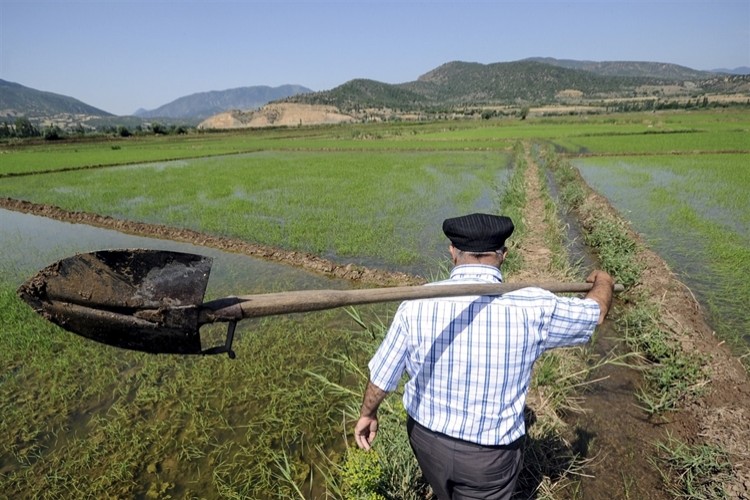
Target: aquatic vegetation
[695,212]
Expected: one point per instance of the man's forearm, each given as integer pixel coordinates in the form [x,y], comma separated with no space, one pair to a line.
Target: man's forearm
[374,395]
[601,292]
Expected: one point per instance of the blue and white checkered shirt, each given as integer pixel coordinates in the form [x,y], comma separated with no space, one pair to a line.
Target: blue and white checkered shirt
[469,359]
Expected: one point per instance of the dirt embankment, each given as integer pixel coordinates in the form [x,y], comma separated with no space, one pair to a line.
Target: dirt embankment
[613,432]
[719,417]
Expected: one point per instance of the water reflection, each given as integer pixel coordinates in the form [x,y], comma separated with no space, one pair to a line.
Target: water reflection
[31,242]
[659,204]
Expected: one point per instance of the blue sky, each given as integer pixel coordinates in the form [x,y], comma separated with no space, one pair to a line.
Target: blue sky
[121,55]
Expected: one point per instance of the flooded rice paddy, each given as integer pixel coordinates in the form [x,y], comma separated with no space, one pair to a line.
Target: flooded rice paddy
[382,209]
[80,416]
[31,242]
[695,212]
[86,417]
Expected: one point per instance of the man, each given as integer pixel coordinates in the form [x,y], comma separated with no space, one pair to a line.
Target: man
[469,361]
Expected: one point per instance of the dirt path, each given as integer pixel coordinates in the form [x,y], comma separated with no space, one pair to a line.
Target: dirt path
[613,432]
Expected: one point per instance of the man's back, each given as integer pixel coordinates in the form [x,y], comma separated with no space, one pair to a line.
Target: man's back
[469,359]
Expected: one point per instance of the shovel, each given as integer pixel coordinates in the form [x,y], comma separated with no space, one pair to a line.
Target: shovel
[152,300]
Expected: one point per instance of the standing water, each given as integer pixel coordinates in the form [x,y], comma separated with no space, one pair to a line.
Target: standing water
[80,416]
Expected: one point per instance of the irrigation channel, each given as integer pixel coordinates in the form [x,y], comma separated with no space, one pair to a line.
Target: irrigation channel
[215,437]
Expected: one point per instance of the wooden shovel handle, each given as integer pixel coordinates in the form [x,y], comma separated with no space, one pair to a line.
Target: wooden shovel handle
[269,304]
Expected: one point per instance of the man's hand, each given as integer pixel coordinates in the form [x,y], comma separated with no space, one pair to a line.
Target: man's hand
[367,425]
[365,431]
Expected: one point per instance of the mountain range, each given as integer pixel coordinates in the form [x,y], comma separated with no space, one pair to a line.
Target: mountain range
[526,82]
[529,81]
[205,104]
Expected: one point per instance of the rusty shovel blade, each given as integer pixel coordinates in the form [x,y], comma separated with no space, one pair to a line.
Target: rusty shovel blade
[146,300]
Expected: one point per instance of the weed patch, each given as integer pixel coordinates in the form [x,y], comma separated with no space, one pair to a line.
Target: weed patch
[693,471]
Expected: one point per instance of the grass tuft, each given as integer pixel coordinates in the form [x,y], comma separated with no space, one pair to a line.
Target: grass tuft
[693,471]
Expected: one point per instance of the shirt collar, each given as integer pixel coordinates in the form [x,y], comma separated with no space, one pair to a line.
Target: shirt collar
[477,271]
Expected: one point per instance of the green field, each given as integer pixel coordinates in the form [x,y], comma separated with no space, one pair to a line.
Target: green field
[78,419]
[695,212]
[382,207]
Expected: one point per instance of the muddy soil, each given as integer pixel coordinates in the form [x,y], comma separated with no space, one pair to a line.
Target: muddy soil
[615,434]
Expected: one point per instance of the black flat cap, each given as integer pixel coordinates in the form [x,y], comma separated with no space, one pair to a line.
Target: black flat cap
[478,232]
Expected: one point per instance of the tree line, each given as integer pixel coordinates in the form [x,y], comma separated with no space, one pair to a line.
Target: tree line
[22,128]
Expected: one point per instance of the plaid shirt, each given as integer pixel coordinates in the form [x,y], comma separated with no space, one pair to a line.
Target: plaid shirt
[470,359]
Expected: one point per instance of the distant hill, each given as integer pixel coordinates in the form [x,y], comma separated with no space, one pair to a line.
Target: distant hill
[17,100]
[741,70]
[664,71]
[204,104]
[466,83]
[448,88]
[461,82]
[529,81]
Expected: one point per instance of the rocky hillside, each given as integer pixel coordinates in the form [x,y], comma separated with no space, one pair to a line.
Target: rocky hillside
[526,82]
[277,115]
[17,100]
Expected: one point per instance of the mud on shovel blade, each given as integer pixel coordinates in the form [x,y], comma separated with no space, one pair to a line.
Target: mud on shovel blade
[146,300]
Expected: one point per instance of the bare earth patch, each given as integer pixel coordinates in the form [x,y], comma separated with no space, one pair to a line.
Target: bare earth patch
[277,115]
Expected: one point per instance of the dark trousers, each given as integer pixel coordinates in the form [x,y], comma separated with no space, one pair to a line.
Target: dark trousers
[458,469]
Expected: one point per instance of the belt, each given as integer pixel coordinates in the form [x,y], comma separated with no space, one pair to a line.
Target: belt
[411,424]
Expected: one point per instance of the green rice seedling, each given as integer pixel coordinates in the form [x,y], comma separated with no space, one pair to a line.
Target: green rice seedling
[695,212]
[362,474]
[33,157]
[616,250]
[693,471]
[511,199]
[324,203]
[662,133]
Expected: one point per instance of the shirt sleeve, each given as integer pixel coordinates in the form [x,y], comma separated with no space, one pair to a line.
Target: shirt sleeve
[388,364]
[573,321]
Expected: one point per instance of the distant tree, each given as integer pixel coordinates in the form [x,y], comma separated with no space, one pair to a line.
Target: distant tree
[159,129]
[524,112]
[6,131]
[53,133]
[123,131]
[24,128]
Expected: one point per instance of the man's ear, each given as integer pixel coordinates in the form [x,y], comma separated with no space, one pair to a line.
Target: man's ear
[503,254]
[454,255]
